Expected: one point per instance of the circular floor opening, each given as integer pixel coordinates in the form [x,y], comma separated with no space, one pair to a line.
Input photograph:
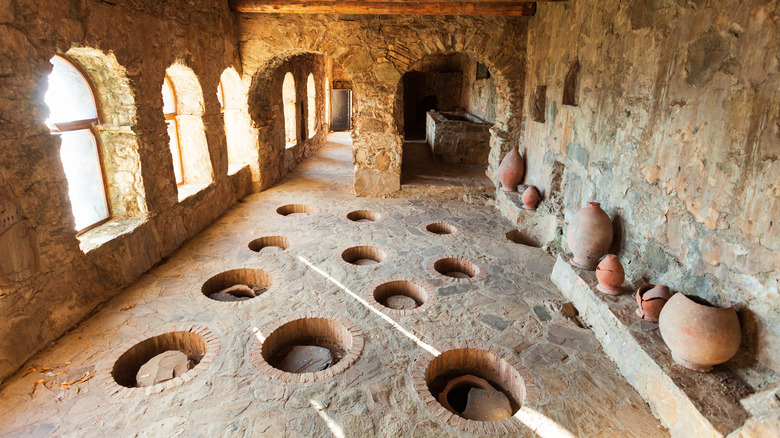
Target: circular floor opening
[401,295]
[458,268]
[269,245]
[307,348]
[365,216]
[159,359]
[297,210]
[237,285]
[365,255]
[473,384]
[440,228]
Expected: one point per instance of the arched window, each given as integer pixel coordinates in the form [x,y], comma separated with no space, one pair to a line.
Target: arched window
[238,130]
[311,94]
[73,113]
[169,108]
[288,97]
[183,109]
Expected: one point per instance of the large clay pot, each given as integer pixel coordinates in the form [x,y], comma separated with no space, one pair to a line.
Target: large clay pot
[511,170]
[610,274]
[590,236]
[650,299]
[530,198]
[699,333]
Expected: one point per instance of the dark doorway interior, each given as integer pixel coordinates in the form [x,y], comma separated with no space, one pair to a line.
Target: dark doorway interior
[342,110]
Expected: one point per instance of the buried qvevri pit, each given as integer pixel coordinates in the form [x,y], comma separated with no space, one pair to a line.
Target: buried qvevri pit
[297,210]
[313,345]
[364,255]
[237,285]
[268,245]
[458,268]
[440,228]
[400,295]
[365,216]
[158,359]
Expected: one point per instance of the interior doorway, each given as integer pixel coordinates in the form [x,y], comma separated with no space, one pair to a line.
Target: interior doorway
[341,115]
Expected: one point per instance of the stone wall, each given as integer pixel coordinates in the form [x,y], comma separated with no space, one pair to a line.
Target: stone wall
[676,132]
[50,278]
[479,95]
[375,51]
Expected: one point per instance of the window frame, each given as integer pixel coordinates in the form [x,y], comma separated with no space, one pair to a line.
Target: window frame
[89,125]
[173,116]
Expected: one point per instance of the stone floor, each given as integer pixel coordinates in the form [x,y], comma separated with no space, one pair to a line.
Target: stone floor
[421,176]
[515,308]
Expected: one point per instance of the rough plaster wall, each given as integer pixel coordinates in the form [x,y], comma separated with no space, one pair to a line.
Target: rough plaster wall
[266,107]
[677,134]
[375,52]
[479,95]
[41,299]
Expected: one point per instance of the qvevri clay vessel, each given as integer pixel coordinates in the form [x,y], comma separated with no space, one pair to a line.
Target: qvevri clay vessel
[511,170]
[611,275]
[590,236]
[650,299]
[699,333]
[530,198]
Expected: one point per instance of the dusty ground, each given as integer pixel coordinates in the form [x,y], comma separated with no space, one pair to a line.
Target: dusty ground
[515,307]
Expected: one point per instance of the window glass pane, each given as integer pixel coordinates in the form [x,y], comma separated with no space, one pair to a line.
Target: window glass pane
[173,133]
[85,180]
[69,97]
[169,104]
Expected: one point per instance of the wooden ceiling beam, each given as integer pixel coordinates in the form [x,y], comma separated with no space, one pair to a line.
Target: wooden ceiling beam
[376,7]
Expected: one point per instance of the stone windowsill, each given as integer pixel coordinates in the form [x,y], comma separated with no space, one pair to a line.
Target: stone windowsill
[187,190]
[235,168]
[107,232]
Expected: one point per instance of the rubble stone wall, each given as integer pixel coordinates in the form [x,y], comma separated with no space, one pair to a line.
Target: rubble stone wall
[677,133]
[50,279]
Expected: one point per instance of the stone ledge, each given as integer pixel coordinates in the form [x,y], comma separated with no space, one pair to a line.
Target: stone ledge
[687,402]
[537,227]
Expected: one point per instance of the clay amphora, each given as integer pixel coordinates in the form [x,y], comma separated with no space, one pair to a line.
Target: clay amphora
[511,170]
[610,274]
[590,236]
[699,333]
[530,198]
[650,299]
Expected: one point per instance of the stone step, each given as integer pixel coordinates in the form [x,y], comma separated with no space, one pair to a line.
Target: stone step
[687,402]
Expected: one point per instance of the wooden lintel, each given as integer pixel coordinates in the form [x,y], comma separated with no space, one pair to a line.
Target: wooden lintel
[373,7]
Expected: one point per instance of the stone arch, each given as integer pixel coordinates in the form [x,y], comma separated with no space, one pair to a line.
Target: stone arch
[508,80]
[266,106]
[116,138]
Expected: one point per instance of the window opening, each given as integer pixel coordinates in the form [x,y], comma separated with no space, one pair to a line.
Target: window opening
[288,96]
[311,93]
[169,109]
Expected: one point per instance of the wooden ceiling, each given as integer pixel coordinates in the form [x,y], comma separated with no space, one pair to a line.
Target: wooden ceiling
[391,7]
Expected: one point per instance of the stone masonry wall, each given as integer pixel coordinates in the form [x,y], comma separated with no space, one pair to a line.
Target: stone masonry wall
[50,279]
[375,51]
[677,134]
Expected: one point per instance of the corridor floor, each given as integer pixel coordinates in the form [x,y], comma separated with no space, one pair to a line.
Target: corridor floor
[511,306]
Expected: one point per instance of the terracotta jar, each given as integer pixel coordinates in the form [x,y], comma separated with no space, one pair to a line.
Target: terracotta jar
[650,299]
[610,274]
[530,198]
[699,333]
[590,236]
[511,170]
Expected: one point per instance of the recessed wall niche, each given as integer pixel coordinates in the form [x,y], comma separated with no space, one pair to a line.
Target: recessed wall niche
[570,84]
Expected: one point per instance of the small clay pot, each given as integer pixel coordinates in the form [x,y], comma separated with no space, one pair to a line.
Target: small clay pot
[511,170]
[699,333]
[611,275]
[590,236]
[530,198]
[650,299]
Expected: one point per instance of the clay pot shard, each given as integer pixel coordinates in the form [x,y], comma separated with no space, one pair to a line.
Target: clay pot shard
[530,198]
[699,333]
[589,235]
[511,170]
[611,275]
[650,299]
